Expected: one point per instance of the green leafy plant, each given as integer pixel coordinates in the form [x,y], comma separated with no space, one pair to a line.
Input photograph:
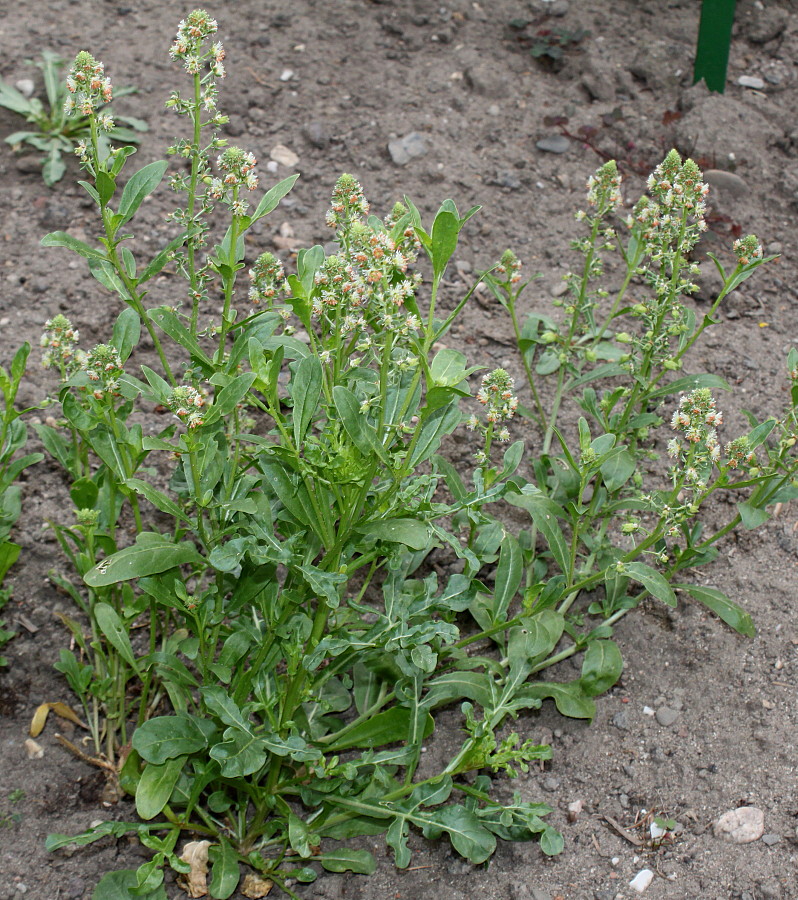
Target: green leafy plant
[273,643]
[55,130]
[13,438]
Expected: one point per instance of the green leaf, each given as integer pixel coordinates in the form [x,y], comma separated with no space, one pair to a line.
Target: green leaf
[140,185]
[9,554]
[601,667]
[225,873]
[386,727]
[273,196]
[347,860]
[569,698]
[652,581]
[475,686]
[117,886]
[105,186]
[544,514]
[166,319]
[109,622]
[305,391]
[410,532]
[732,614]
[161,258]
[362,435]
[689,383]
[233,393]
[752,516]
[143,558]
[551,841]
[156,785]
[509,572]
[617,470]
[62,239]
[127,331]
[167,737]
[468,835]
[241,753]
[221,704]
[439,423]
[448,368]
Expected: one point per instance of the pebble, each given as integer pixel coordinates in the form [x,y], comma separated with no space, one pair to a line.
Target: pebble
[605,895]
[574,810]
[554,143]
[726,182]
[34,750]
[316,135]
[486,80]
[28,164]
[551,784]
[283,155]
[771,839]
[403,149]
[751,81]
[740,826]
[25,86]
[667,716]
[286,74]
[770,890]
[642,880]
[620,720]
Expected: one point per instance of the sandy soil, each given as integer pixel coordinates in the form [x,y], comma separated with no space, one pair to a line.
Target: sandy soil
[363,74]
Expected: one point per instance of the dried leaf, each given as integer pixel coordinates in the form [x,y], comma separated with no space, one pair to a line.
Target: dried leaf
[34,750]
[254,887]
[60,709]
[195,853]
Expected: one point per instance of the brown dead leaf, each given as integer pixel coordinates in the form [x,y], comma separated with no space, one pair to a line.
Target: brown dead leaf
[60,709]
[195,853]
[254,887]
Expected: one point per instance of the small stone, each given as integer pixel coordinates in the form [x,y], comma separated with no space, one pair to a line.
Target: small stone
[551,784]
[773,78]
[620,720]
[605,895]
[286,74]
[28,164]
[770,890]
[316,135]
[648,711]
[751,81]
[554,143]
[403,149]
[486,80]
[667,716]
[25,86]
[642,880]
[284,156]
[740,826]
[771,839]
[560,288]
[574,810]
[457,866]
[235,126]
[34,750]
[727,183]
[509,180]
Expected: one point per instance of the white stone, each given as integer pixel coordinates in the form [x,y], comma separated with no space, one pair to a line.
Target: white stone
[741,826]
[286,74]
[642,880]
[751,81]
[25,86]
[283,155]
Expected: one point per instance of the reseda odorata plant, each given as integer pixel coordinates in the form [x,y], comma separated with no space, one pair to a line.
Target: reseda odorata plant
[297,643]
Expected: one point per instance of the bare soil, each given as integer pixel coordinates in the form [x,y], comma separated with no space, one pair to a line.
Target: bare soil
[456,72]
